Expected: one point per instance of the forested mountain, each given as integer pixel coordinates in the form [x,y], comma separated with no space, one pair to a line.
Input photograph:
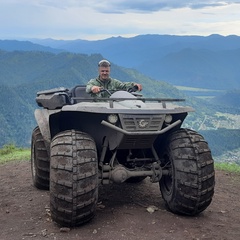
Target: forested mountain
[24,73]
[193,61]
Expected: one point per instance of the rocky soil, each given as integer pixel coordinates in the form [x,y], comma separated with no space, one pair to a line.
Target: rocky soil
[123,212]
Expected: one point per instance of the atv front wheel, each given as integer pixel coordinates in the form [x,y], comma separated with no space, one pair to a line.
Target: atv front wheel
[39,161]
[73,178]
[189,187]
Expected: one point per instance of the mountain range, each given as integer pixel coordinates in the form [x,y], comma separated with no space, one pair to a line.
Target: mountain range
[24,73]
[208,65]
[211,62]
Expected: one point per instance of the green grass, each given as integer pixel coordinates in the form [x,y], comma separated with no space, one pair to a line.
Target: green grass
[228,167]
[12,153]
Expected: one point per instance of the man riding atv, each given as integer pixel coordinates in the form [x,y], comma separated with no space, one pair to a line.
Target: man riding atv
[104,81]
[112,137]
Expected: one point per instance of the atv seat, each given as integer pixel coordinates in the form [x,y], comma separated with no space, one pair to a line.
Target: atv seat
[79,94]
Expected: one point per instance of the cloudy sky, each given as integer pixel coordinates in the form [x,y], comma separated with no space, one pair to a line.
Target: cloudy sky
[100,19]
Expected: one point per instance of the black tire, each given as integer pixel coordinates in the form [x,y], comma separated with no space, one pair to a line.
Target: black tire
[73,178]
[189,187]
[40,164]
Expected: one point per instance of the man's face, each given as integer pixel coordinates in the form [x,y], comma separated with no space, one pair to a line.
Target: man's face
[104,72]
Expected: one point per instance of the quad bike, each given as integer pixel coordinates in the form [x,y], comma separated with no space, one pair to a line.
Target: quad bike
[81,142]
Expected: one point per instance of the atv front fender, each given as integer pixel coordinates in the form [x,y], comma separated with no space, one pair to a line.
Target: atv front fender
[42,118]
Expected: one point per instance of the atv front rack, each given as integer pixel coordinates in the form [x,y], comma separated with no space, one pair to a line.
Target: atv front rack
[112,100]
[58,97]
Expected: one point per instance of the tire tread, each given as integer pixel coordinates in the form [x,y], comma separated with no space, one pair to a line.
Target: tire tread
[73,178]
[194,173]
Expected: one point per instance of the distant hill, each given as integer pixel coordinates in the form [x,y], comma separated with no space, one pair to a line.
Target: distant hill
[15,45]
[193,61]
[20,67]
[229,99]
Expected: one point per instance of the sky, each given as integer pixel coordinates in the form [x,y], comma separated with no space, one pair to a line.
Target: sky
[101,19]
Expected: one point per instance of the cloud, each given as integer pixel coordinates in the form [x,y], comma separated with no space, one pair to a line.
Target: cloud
[123,6]
[98,19]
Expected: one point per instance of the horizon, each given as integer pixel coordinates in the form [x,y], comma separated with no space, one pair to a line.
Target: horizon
[125,37]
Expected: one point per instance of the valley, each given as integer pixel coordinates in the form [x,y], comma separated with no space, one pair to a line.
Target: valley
[203,70]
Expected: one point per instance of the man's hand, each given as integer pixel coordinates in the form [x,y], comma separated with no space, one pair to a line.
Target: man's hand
[96,89]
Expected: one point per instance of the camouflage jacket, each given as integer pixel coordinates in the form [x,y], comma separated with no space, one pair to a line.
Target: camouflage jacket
[110,84]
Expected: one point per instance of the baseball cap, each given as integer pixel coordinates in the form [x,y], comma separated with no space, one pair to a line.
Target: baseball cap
[104,63]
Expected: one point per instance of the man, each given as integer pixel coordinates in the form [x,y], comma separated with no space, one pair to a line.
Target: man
[104,81]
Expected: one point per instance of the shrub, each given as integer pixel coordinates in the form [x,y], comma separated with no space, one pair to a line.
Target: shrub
[7,149]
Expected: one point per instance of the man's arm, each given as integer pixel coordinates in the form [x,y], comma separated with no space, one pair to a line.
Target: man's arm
[90,84]
[125,85]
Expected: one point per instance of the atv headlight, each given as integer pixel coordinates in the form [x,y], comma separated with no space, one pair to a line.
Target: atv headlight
[168,118]
[112,118]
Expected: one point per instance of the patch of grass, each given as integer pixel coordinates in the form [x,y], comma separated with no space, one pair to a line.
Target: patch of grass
[12,153]
[228,167]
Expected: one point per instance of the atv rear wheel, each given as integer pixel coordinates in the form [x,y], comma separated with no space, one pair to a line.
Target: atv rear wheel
[39,161]
[73,178]
[189,187]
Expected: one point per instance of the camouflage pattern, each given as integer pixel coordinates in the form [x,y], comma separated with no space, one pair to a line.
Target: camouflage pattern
[110,84]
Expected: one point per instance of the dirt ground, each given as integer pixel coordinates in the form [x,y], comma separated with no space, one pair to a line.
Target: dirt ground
[122,212]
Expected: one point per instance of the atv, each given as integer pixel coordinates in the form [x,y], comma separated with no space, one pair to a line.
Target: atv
[81,142]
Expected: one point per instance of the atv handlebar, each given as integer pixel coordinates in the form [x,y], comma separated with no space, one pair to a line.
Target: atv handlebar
[110,92]
[133,89]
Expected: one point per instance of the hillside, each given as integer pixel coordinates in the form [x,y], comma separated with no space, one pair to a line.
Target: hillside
[230,98]
[193,61]
[25,73]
